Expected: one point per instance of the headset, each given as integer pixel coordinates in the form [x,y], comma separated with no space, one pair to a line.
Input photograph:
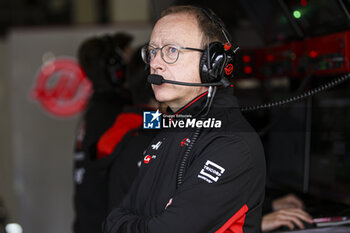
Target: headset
[216,63]
[114,62]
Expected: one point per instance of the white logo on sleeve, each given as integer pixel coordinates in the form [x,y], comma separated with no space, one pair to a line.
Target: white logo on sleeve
[211,172]
[156,146]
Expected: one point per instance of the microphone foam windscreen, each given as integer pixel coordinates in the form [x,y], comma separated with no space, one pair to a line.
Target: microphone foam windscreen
[155,79]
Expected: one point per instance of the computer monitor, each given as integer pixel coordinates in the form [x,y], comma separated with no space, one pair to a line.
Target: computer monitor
[285,148]
[308,147]
[329,174]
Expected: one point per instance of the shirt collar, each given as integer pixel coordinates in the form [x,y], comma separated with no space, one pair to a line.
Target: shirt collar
[192,107]
[223,99]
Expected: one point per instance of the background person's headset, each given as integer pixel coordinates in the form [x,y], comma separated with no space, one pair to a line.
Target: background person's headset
[114,62]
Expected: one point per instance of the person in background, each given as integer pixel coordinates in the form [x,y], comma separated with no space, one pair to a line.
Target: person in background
[125,142]
[103,59]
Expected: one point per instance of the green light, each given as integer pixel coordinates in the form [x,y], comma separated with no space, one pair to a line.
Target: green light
[296,14]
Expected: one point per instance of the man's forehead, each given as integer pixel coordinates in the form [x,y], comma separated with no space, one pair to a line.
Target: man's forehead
[176,28]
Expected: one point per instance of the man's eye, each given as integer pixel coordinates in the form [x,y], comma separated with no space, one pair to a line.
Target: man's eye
[153,51]
[171,50]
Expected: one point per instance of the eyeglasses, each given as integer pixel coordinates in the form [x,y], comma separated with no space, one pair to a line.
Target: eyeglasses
[169,53]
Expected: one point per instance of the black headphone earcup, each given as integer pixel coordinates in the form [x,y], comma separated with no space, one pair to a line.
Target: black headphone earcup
[115,74]
[211,63]
[115,68]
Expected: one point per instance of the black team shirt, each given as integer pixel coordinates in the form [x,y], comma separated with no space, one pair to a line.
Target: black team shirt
[222,189]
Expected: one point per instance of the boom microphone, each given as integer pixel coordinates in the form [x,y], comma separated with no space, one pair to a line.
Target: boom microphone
[158,80]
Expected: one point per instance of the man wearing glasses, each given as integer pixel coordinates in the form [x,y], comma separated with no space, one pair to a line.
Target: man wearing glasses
[201,178]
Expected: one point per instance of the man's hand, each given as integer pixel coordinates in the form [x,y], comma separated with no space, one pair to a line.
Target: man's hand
[288,201]
[285,217]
